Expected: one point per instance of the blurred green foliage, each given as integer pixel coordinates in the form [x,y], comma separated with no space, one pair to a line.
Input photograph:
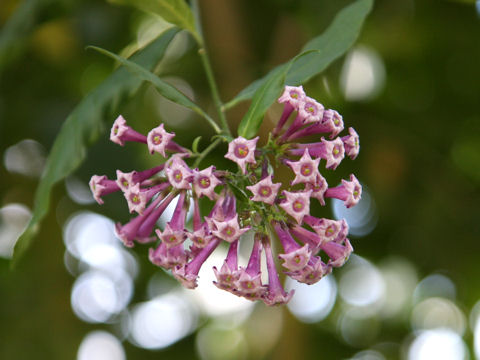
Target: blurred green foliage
[420,143]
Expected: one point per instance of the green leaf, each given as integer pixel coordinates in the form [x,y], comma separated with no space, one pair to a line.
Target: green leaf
[82,127]
[265,96]
[164,88]
[195,144]
[333,43]
[174,11]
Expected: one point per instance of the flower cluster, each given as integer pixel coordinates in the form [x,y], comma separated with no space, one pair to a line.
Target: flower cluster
[247,201]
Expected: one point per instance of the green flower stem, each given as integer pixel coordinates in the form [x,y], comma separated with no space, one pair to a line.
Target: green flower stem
[208,70]
[205,152]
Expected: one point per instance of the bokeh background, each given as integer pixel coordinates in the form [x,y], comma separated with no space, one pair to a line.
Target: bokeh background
[410,87]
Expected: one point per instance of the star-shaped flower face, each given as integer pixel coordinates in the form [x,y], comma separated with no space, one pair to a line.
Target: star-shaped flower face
[187,279]
[331,230]
[242,151]
[265,190]
[311,273]
[296,260]
[351,143]
[97,187]
[136,199]
[171,237]
[125,180]
[118,129]
[249,286]
[311,111]
[334,121]
[293,95]
[318,188]
[158,139]
[167,258]
[305,169]
[204,182]
[200,237]
[354,191]
[178,173]
[297,204]
[226,277]
[337,253]
[334,152]
[229,230]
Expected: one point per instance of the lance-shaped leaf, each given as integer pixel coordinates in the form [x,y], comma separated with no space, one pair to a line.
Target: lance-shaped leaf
[333,43]
[164,88]
[174,11]
[82,127]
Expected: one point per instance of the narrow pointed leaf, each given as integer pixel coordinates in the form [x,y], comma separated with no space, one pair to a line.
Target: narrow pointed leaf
[164,88]
[333,43]
[82,127]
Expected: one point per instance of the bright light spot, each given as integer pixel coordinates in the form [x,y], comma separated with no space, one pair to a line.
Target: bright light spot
[400,280]
[85,230]
[96,296]
[358,328]
[474,317]
[109,258]
[13,220]
[312,303]
[361,283]
[363,74]
[171,113]
[362,218]
[440,344]
[435,286]
[438,313]
[170,209]
[161,322]
[26,157]
[476,340]
[78,191]
[212,300]
[368,355]
[262,331]
[216,343]
[100,345]
[477,5]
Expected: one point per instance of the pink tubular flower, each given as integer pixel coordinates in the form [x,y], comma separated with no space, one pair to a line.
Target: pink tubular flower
[121,132]
[276,295]
[328,230]
[204,182]
[158,139]
[229,230]
[188,274]
[249,282]
[337,253]
[313,272]
[228,274]
[305,169]
[297,204]
[331,123]
[309,247]
[318,189]
[129,232]
[351,143]
[265,190]
[242,151]
[349,191]
[292,97]
[178,173]
[332,151]
[295,257]
[174,232]
[100,186]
